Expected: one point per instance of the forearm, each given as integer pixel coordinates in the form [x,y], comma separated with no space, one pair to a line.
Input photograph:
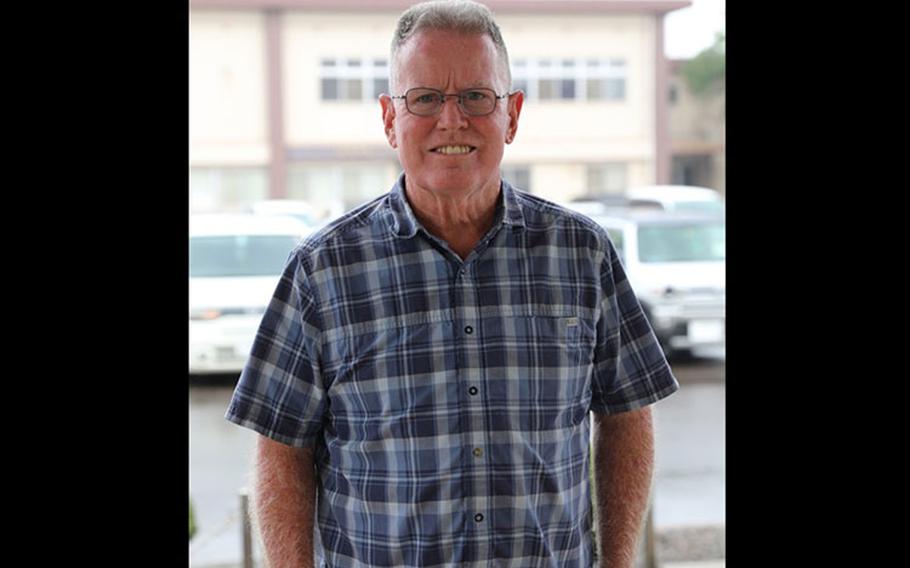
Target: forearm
[284,496]
[623,465]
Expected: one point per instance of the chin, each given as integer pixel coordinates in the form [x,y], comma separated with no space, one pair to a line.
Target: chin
[454,183]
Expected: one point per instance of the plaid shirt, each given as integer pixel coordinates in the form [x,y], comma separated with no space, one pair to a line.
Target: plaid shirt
[448,401]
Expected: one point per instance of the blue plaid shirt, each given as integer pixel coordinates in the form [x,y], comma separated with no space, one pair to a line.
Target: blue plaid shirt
[448,401]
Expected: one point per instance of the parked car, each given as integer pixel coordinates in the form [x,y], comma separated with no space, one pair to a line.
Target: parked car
[675,262]
[660,197]
[296,208]
[235,263]
[604,204]
[678,197]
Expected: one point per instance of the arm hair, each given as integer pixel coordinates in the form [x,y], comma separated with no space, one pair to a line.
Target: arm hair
[284,493]
[623,465]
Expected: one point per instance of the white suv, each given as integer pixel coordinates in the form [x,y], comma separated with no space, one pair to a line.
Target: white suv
[235,264]
[678,197]
[676,265]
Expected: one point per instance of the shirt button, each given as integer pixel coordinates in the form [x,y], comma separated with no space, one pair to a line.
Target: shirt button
[462,272]
[478,517]
[472,390]
[478,452]
[469,330]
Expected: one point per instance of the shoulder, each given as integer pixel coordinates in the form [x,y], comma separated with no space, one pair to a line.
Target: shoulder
[355,228]
[543,215]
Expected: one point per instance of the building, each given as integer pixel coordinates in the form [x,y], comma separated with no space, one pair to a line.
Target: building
[283,98]
[697,133]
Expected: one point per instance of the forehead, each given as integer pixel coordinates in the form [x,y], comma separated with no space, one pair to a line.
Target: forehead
[436,58]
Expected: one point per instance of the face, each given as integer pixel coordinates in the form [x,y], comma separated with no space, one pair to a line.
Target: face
[450,62]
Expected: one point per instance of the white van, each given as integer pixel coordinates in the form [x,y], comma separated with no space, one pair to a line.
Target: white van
[678,197]
[676,264]
[235,264]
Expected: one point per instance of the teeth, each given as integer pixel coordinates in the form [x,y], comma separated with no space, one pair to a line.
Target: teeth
[453,149]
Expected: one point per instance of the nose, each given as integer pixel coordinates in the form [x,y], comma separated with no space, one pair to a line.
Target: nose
[450,115]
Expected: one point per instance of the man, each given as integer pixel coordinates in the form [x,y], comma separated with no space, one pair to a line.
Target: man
[423,376]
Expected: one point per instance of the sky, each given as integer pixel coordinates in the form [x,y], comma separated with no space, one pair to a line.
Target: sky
[692,29]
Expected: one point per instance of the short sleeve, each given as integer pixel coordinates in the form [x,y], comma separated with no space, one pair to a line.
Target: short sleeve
[280,393]
[630,370]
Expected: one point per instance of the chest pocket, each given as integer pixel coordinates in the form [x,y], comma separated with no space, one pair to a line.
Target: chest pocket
[538,370]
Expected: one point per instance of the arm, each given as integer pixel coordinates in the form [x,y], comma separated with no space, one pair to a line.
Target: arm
[284,494]
[623,463]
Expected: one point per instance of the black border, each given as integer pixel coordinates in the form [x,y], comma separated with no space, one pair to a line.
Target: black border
[109,288]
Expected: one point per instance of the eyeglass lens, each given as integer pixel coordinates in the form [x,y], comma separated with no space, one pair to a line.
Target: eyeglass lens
[428,101]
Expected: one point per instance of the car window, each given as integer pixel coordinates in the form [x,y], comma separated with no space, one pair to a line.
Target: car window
[691,242]
[239,255]
[616,237]
[709,206]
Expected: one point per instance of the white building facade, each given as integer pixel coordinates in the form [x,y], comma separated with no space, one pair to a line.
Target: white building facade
[284,99]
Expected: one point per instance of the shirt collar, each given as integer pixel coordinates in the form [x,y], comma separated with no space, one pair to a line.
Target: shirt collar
[403,223]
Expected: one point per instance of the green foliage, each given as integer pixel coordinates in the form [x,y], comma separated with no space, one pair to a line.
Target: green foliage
[192,521]
[705,72]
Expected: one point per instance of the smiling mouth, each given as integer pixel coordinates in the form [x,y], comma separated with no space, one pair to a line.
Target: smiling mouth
[449,150]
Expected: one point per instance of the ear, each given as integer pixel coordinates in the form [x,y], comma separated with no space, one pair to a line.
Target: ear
[516,99]
[388,118]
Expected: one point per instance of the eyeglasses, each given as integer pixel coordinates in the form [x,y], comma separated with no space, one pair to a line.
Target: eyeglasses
[424,101]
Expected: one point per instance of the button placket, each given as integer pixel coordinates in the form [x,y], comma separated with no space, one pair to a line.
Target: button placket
[474,416]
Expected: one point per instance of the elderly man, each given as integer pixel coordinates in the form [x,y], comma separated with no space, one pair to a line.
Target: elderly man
[423,376]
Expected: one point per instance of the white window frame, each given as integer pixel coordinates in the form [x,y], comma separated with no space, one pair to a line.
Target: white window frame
[367,72]
[585,68]
[613,68]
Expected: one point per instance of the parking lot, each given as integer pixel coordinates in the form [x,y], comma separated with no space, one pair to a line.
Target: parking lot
[689,471]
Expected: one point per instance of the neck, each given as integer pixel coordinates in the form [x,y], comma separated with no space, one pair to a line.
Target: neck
[461,220]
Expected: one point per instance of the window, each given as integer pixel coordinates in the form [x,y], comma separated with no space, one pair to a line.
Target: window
[519,75]
[556,89]
[520,85]
[570,79]
[338,187]
[330,89]
[618,242]
[696,242]
[353,79]
[380,86]
[519,176]
[606,79]
[226,189]
[239,255]
[607,178]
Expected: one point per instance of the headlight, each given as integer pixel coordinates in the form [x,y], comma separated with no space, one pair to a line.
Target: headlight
[205,314]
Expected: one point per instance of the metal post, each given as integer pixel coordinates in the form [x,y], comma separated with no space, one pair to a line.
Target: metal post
[247,528]
[650,545]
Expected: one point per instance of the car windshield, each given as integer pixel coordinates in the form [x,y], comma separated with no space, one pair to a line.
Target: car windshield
[239,255]
[709,206]
[692,242]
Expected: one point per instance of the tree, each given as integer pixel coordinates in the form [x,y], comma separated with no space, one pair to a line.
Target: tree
[192,521]
[705,72]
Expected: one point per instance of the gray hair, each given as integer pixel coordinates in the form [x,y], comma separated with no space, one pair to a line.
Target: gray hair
[462,16]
